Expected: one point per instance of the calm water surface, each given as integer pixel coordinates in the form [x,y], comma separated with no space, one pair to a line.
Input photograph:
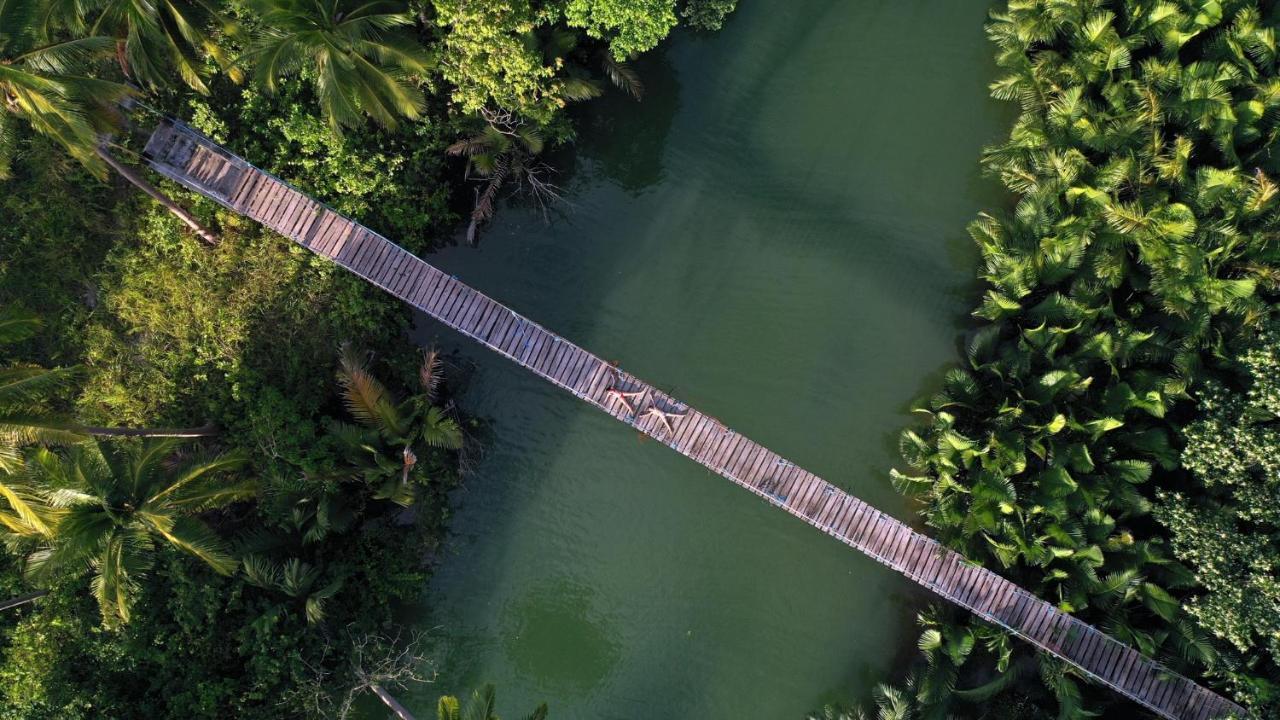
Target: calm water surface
[776,235]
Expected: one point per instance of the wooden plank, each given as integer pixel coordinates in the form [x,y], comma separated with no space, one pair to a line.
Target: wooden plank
[346,243]
[560,352]
[932,561]
[401,272]
[818,495]
[515,335]
[409,273]
[741,445]
[495,315]
[261,196]
[826,498]
[322,235]
[280,211]
[810,486]
[570,365]
[261,193]
[452,302]
[454,310]
[729,443]
[368,253]
[700,434]
[841,527]
[412,277]
[875,535]
[903,549]
[533,343]
[271,203]
[395,269]
[455,295]
[502,323]
[539,344]
[437,298]
[831,513]
[913,557]
[248,181]
[341,232]
[578,367]
[478,316]
[424,284]
[525,337]
[1164,688]
[686,429]
[785,475]
[285,210]
[758,469]
[850,518]
[548,354]
[582,361]
[378,255]
[740,460]
[306,219]
[511,336]
[858,527]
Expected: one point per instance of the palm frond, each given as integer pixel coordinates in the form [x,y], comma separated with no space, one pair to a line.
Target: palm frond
[367,399]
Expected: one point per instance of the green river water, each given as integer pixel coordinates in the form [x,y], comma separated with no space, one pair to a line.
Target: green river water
[775,235]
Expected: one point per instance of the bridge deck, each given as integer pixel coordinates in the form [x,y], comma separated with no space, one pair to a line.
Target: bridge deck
[178,152]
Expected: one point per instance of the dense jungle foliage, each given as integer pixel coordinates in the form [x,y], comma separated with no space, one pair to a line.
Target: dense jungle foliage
[251,570]
[1139,259]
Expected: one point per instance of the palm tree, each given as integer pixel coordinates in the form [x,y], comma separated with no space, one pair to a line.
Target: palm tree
[295,578]
[42,81]
[481,706]
[392,438]
[154,39]
[114,504]
[361,60]
[505,150]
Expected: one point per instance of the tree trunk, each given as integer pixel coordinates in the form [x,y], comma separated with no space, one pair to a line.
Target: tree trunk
[23,599]
[400,711]
[133,176]
[203,431]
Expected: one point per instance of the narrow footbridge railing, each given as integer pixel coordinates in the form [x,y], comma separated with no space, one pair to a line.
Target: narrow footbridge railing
[178,152]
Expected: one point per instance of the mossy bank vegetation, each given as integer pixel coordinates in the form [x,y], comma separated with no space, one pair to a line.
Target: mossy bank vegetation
[251,570]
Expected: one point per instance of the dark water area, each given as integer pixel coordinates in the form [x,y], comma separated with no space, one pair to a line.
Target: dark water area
[776,235]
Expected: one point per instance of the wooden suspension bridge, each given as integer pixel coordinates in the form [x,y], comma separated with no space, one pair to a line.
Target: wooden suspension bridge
[187,157]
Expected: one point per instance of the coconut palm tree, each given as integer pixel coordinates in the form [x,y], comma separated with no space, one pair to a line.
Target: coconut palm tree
[43,82]
[154,41]
[393,440]
[360,60]
[115,504]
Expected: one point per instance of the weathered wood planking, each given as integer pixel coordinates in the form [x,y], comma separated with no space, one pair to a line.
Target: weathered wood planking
[177,152]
